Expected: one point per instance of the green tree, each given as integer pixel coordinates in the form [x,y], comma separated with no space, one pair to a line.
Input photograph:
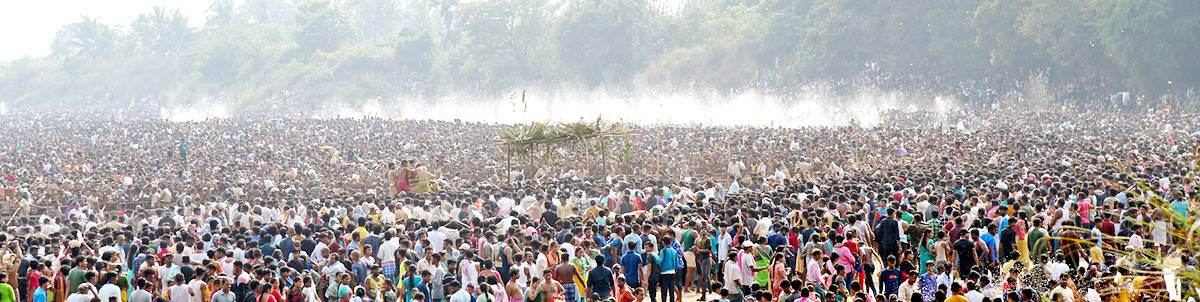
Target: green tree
[162,31]
[504,38]
[221,13]
[998,33]
[88,38]
[271,11]
[414,50]
[321,26]
[1154,42]
[1060,27]
[378,19]
[604,41]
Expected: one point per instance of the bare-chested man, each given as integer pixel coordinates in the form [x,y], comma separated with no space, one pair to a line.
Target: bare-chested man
[550,288]
[513,289]
[392,174]
[565,274]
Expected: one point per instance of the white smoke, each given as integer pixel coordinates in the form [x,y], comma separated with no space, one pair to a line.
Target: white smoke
[743,109]
[341,110]
[3,108]
[864,108]
[195,112]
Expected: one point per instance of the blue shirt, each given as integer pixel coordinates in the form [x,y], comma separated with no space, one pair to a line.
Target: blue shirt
[1181,207]
[631,262]
[890,280]
[600,281]
[609,258]
[678,251]
[991,243]
[39,295]
[668,260]
[635,238]
[776,240]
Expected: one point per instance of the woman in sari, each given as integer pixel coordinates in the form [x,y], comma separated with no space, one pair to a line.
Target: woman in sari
[779,274]
[762,259]
[1022,241]
[926,252]
[584,265]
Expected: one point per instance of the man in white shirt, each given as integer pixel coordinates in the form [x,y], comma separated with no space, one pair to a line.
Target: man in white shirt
[426,263]
[110,288]
[1058,266]
[746,264]
[387,254]
[460,294]
[973,294]
[909,286]
[387,218]
[505,206]
[467,269]
[723,243]
[436,238]
[732,276]
[1067,294]
[318,255]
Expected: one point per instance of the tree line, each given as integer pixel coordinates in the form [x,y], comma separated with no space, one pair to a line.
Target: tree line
[296,51]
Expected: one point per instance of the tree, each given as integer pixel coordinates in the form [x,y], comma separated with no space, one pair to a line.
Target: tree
[162,31]
[220,13]
[604,41]
[1154,42]
[322,26]
[1060,27]
[88,38]
[378,19]
[952,40]
[271,11]
[414,50]
[504,37]
[998,34]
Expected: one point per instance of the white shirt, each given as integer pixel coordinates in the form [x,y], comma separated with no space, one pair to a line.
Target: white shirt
[319,252]
[723,246]
[1057,269]
[387,250]
[110,290]
[78,297]
[424,265]
[542,263]
[732,273]
[387,217]
[436,240]
[944,279]
[522,275]
[461,296]
[906,289]
[747,262]
[974,296]
[470,274]
[1067,294]
[505,204]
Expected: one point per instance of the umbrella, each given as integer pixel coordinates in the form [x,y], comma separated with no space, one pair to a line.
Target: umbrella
[327,149]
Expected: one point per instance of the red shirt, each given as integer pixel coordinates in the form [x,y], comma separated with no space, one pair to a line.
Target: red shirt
[625,294]
[853,246]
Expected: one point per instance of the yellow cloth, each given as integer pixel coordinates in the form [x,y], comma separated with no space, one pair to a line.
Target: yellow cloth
[422,187]
[1023,249]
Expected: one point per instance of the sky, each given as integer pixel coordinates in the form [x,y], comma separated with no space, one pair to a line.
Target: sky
[27,27]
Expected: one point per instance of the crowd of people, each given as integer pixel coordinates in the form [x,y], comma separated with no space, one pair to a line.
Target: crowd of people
[971,205]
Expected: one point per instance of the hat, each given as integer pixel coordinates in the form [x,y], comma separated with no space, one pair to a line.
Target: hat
[747,244]
[464,246]
[74,243]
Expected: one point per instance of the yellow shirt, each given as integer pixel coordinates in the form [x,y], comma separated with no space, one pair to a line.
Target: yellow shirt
[957,298]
